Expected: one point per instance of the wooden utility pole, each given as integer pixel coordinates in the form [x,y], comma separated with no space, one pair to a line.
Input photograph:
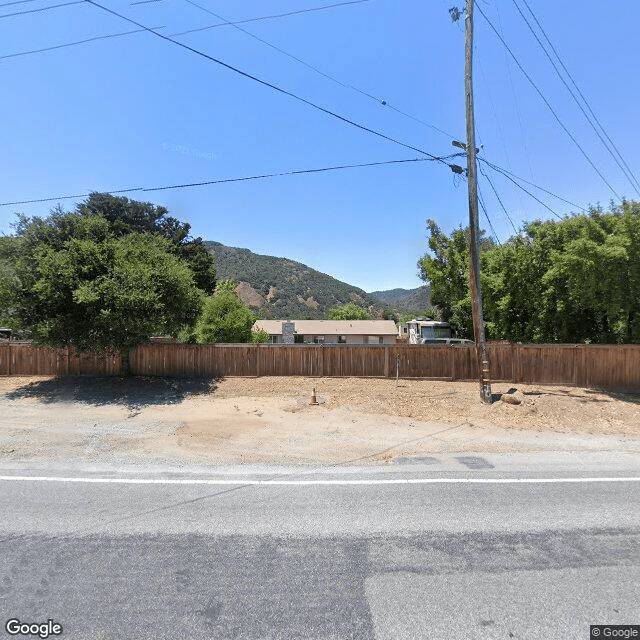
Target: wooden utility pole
[474,271]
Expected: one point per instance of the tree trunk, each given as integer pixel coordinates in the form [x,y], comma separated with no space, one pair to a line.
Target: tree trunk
[126,361]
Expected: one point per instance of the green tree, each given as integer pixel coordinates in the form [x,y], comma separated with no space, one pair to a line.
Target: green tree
[224,318]
[260,336]
[574,280]
[446,268]
[82,285]
[9,282]
[349,311]
[229,286]
[131,216]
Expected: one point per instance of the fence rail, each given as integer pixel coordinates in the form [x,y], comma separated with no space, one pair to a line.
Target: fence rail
[614,367]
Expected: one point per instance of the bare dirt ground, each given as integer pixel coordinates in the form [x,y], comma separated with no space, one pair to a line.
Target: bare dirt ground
[270,421]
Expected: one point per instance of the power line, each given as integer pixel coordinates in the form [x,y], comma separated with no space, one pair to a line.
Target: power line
[506,175]
[625,169]
[242,179]
[274,16]
[173,35]
[72,44]
[267,84]
[535,86]
[6,4]
[235,24]
[499,169]
[498,198]
[486,215]
[346,85]
[53,6]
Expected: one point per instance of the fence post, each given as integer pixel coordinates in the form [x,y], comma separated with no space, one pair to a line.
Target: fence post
[258,360]
[9,357]
[386,362]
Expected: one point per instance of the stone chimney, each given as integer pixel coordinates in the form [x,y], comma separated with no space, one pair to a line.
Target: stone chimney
[288,332]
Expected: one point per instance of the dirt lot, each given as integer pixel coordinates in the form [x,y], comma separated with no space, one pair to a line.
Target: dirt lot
[270,420]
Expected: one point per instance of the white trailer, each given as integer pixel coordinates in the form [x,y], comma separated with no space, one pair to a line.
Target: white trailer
[419,328]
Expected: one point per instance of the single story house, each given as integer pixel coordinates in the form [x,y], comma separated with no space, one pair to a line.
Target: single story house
[329,331]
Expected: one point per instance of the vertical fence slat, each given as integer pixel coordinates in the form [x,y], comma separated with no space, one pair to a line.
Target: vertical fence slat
[615,367]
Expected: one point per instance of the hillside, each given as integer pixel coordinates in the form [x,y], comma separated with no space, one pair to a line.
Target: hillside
[282,288]
[405,299]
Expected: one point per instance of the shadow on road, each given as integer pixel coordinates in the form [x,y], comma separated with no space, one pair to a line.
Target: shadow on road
[134,392]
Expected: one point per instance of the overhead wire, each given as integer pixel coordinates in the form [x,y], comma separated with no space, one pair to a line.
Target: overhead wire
[346,85]
[495,192]
[262,176]
[622,165]
[235,24]
[72,44]
[506,175]
[173,35]
[486,215]
[274,16]
[7,4]
[544,99]
[267,84]
[500,169]
[53,6]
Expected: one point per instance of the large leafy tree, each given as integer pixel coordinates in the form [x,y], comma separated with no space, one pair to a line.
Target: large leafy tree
[225,318]
[83,285]
[131,216]
[569,281]
[349,311]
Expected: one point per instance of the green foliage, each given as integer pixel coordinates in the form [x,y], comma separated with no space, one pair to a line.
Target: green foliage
[130,216]
[224,319]
[577,280]
[349,311]
[260,336]
[83,285]
[446,268]
[389,314]
[9,283]
[229,285]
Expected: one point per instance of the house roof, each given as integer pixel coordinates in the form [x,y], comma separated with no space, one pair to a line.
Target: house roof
[331,327]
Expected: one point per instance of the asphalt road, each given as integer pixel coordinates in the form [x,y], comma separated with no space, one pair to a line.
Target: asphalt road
[475,548]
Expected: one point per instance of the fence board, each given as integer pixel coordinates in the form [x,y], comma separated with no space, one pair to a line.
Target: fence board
[614,367]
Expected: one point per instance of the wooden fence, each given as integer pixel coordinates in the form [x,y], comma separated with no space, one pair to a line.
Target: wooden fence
[614,367]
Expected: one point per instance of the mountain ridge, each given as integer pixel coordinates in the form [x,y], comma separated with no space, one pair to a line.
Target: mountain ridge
[280,288]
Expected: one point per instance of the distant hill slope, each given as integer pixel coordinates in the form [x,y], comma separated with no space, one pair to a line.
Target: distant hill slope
[280,288]
[410,299]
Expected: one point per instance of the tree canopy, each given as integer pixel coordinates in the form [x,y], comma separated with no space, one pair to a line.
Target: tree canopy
[83,285]
[570,281]
[349,311]
[131,216]
[225,318]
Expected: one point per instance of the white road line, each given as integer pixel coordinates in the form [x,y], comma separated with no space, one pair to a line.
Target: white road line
[195,481]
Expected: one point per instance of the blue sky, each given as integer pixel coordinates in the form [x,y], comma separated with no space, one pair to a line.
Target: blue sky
[139,111]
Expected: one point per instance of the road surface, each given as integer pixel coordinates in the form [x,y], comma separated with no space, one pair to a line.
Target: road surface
[457,547]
